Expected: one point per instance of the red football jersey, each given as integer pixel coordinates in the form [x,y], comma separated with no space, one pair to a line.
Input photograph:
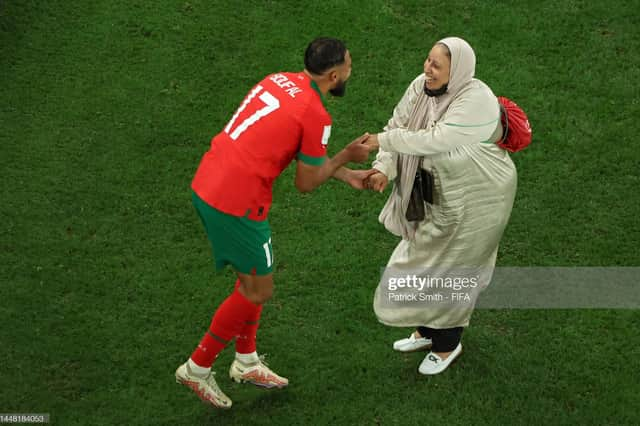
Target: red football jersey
[281,118]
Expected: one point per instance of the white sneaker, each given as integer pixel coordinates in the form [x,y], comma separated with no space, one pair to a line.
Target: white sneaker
[257,374]
[433,364]
[206,388]
[412,344]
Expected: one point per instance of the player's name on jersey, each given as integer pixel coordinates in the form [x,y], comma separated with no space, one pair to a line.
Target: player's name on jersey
[284,83]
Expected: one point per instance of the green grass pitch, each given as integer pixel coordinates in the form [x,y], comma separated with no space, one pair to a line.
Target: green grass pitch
[106,281]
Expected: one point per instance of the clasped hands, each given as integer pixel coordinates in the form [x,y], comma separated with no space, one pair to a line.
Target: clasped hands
[359,150]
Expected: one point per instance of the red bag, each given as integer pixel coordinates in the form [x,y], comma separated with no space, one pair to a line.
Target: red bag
[517,130]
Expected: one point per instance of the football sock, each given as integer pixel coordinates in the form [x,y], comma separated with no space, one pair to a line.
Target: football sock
[246,341]
[247,359]
[197,370]
[228,321]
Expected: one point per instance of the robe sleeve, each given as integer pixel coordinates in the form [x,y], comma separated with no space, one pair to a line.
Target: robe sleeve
[470,119]
[386,161]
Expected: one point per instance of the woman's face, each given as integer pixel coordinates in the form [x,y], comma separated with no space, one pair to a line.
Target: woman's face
[436,67]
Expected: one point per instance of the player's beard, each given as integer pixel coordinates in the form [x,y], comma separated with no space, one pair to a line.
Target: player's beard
[436,92]
[340,88]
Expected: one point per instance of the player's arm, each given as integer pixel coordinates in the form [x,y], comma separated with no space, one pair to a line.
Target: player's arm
[357,179]
[342,173]
[309,176]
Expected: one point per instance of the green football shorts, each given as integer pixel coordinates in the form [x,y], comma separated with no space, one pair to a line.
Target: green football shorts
[237,241]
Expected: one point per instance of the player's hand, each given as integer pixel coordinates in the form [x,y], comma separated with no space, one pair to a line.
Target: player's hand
[377,181]
[358,178]
[358,151]
[372,142]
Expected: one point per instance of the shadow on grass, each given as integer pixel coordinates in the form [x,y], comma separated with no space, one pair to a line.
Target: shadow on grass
[257,404]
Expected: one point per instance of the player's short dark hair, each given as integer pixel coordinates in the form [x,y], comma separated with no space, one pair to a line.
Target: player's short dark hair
[324,53]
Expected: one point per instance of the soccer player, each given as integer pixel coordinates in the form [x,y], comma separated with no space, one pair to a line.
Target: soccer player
[283,117]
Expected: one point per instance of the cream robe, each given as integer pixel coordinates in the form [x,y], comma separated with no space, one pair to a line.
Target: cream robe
[474,190]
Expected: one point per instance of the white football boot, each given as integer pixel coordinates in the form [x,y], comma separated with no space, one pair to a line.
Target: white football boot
[206,388]
[256,373]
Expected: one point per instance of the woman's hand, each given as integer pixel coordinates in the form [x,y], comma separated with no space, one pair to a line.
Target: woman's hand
[378,181]
[357,178]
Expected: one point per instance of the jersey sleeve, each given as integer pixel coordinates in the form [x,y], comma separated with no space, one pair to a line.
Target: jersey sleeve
[316,130]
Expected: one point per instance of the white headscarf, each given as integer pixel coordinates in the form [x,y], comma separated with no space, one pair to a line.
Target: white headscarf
[426,112]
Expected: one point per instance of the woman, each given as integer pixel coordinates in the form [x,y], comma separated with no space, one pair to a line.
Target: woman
[446,124]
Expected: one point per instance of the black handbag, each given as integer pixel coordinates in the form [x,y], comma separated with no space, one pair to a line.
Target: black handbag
[426,179]
[421,192]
